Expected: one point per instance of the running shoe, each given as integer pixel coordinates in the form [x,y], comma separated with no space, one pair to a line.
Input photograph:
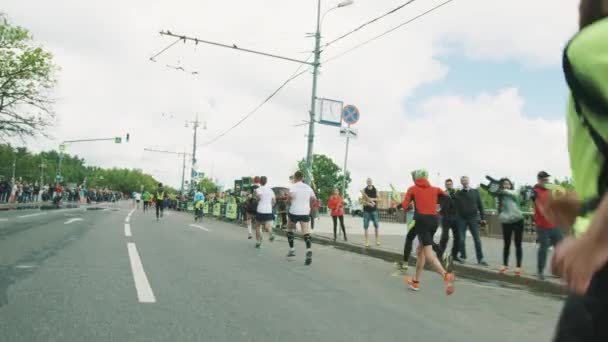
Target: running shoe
[448,279]
[308,258]
[271,238]
[291,253]
[258,244]
[377,242]
[413,284]
[503,269]
[249,238]
[458,260]
[366,243]
[404,266]
[541,276]
[518,272]
[482,263]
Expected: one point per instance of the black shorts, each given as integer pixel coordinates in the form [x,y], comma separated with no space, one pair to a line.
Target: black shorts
[299,218]
[585,318]
[425,227]
[137,201]
[263,218]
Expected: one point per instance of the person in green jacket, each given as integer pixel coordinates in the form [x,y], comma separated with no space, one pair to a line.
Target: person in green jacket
[512,220]
[146,198]
[582,261]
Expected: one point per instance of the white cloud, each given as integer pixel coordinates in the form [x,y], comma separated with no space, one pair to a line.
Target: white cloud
[108,87]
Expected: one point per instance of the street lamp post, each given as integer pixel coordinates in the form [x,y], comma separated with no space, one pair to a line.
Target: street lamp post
[313,99]
[14,166]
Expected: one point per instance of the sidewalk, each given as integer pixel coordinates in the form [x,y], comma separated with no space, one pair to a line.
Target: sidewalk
[392,238]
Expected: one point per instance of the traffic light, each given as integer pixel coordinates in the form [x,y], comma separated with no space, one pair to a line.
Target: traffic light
[127,139]
[117,140]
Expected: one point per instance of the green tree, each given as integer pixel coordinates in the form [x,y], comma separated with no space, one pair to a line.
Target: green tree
[26,78]
[207,186]
[489,202]
[326,175]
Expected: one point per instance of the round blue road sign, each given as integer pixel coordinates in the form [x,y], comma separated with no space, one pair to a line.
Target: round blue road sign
[350,114]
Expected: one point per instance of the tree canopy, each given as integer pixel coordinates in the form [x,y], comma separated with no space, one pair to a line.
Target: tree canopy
[26,78]
[31,167]
[326,175]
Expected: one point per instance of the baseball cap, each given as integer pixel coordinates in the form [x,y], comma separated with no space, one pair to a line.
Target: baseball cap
[543,174]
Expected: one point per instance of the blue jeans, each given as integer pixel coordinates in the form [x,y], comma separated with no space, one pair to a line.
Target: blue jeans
[367,216]
[546,238]
[473,225]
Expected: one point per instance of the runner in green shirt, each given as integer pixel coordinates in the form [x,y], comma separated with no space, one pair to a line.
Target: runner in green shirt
[146,198]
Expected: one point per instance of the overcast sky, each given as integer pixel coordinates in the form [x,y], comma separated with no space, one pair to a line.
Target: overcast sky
[474,88]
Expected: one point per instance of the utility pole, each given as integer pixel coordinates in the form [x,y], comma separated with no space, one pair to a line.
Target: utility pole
[42,167]
[183,154]
[183,171]
[345,163]
[14,166]
[195,125]
[316,64]
[313,98]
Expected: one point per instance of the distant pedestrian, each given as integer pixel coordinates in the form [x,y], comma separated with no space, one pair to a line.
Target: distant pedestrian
[547,232]
[370,210]
[512,220]
[336,205]
[146,199]
[159,199]
[448,222]
[470,214]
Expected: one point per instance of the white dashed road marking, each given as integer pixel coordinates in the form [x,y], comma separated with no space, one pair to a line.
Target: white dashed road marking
[127,230]
[142,286]
[200,227]
[72,220]
[32,215]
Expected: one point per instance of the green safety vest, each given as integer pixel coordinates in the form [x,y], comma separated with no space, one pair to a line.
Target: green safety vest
[586,69]
[160,195]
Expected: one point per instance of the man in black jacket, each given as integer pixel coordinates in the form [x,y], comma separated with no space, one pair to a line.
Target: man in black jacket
[469,213]
[448,222]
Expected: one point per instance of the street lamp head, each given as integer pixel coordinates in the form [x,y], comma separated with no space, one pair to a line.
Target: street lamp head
[346,3]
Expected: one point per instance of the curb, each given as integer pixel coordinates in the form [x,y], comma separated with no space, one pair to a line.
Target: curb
[476,273]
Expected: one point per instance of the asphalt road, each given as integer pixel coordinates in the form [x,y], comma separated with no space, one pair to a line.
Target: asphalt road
[75,275]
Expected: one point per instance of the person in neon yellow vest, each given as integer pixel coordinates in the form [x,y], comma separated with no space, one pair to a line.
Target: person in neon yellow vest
[159,198]
[582,261]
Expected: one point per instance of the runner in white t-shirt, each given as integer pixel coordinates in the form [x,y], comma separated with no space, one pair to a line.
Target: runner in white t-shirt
[263,215]
[300,198]
[137,199]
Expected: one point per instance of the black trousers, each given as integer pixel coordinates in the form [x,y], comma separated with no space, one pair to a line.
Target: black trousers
[335,219]
[508,230]
[160,206]
[446,226]
[585,318]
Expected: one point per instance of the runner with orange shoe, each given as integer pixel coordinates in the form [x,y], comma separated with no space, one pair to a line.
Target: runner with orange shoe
[426,198]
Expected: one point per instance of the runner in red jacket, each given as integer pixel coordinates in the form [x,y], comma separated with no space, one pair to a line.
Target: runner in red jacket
[426,220]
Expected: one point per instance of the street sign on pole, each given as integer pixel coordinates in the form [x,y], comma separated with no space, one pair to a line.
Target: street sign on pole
[349,132]
[350,114]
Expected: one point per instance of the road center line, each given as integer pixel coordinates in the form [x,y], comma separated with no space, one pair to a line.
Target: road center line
[142,286]
[73,220]
[127,219]
[200,227]
[3,219]
[31,215]
[127,230]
